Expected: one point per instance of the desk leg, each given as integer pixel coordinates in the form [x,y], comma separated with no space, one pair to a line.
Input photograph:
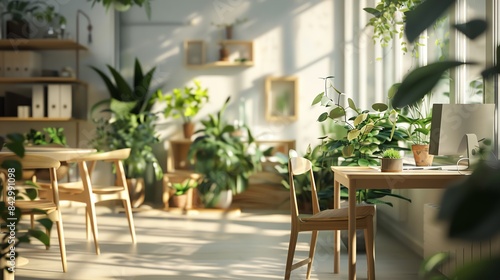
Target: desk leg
[352,233]
[336,205]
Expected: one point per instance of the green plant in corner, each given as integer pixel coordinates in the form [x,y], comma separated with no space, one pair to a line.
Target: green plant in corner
[128,121]
[469,207]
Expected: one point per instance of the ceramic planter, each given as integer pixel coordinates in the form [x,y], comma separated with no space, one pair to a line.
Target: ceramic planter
[391,165]
[421,155]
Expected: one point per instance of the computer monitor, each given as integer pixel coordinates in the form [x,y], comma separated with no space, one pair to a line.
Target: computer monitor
[456,129]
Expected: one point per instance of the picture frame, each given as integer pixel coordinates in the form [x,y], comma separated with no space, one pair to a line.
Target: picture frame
[195,52]
[281,96]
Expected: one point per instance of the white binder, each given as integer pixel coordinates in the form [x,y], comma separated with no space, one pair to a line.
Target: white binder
[65,94]
[53,101]
[38,101]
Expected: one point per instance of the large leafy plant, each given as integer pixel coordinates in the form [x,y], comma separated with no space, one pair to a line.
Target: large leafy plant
[129,122]
[12,238]
[366,133]
[123,5]
[471,207]
[223,158]
[41,10]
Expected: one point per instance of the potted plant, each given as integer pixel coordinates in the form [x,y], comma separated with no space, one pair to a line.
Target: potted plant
[391,161]
[181,191]
[129,123]
[185,103]
[228,27]
[15,143]
[223,159]
[17,26]
[415,120]
[124,5]
[51,136]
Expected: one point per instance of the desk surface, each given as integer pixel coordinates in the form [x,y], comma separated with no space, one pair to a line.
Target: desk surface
[371,178]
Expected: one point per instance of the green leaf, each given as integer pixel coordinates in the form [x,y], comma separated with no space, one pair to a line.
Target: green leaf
[363,162]
[44,238]
[432,263]
[472,29]
[421,81]
[323,117]
[373,11]
[352,105]
[12,163]
[337,112]
[423,16]
[318,98]
[392,90]
[380,107]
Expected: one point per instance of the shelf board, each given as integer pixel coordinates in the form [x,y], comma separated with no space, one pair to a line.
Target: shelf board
[223,64]
[16,119]
[40,44]
[41,80]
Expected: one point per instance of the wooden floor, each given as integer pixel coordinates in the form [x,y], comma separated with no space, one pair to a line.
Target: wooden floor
[203,245]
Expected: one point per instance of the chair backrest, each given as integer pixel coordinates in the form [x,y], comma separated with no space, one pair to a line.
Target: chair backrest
[299,166]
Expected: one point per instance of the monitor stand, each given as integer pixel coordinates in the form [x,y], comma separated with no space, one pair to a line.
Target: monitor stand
[472,150]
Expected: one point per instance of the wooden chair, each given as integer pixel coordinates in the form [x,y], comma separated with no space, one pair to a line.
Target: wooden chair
[331,219]
[50,206]
[85,192]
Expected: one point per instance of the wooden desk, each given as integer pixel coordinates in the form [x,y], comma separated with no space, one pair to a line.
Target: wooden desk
[355,178]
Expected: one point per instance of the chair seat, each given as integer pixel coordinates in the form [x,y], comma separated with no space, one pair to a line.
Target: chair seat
[77,187]
[341,214]
[28,206]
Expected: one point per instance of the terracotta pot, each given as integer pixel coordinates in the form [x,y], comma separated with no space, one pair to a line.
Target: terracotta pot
[223,53]
[229,32]
[179,201]
[188,129]
[136,191]
[392,165]
[421,155]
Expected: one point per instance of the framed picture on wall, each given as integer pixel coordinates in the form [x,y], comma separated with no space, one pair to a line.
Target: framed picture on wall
[281,95]
[195,52]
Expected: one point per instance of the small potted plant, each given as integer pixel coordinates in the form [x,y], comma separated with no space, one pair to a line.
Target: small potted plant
[228,27]
[181,192]
[415,122]
[17,25]
[391,161]
[185,103]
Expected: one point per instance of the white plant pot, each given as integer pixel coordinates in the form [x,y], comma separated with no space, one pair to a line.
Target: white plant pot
[225,199]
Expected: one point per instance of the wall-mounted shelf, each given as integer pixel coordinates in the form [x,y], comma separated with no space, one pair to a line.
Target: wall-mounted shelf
[40,44]
[232,53]
[16,119]
[40,80]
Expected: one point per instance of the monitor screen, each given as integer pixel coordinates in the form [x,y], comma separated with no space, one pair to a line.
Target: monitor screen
[452,122]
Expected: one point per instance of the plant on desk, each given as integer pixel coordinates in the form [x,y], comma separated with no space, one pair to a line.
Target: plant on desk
[391,161]
[131,124]
[415,122]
